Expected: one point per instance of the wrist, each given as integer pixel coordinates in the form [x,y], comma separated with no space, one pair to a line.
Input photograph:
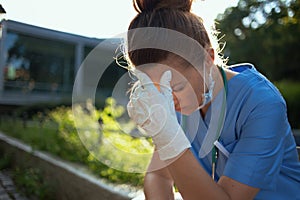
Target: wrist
[171,143]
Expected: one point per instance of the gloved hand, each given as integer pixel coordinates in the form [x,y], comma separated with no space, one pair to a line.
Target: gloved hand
[154,112]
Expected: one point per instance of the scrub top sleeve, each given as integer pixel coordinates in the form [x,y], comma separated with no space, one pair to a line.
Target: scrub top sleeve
[257,156]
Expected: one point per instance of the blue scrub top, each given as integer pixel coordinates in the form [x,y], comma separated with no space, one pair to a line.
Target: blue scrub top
[257,135]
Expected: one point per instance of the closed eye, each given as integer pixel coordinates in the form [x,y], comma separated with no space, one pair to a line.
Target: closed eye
[178,87]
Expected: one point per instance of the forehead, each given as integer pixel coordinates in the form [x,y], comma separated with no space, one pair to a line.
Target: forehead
[179,74]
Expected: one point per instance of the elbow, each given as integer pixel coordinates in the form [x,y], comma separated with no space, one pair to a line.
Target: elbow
[158,187]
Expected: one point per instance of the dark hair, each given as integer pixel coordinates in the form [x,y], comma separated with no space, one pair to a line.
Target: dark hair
[151,5]
[171,14]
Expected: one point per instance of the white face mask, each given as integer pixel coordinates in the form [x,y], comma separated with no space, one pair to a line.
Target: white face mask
[207,96]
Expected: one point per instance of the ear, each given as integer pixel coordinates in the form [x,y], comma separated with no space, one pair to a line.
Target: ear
[211,53]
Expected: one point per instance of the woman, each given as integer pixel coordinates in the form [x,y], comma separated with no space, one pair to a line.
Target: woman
[252,157]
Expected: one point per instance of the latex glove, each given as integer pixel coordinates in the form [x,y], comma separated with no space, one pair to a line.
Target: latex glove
[154,112]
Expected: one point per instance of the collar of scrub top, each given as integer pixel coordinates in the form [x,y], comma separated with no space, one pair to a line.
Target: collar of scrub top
[221,119]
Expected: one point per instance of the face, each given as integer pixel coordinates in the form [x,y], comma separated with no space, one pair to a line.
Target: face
[186,83]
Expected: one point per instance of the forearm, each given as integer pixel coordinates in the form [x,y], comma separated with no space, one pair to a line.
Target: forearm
[192,180]
[158,182]
[158,187]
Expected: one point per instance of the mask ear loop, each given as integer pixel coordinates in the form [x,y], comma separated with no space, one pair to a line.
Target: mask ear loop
[207,96]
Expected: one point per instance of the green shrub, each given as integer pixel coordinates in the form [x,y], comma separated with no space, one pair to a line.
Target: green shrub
[28,181]
[105,134]
[291,92]
[97,138]
[32,183]
[29,111]
[5,161]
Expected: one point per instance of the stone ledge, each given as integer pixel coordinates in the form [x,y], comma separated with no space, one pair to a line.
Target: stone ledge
[69,181]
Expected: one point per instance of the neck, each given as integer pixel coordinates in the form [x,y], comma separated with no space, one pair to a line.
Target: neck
[228,75]
[203,110]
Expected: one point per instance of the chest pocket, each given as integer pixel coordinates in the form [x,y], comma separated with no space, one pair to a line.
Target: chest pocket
[222,157]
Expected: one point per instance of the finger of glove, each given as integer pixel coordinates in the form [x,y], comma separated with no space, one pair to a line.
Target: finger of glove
[148,97]
[137,111]
[145,80]
[156,120]
[166,89]
[165,80]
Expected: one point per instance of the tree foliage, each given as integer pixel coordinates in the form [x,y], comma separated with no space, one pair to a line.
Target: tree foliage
[265,33]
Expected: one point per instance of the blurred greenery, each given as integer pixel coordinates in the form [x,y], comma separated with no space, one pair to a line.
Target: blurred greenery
[99,139]
[267,34]
[30,181]
[5,161]
[290,90]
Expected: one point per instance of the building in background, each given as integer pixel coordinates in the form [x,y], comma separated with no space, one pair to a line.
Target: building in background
[40,65]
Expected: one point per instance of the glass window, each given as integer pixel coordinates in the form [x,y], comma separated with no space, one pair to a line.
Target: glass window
[38,65]
[109,78]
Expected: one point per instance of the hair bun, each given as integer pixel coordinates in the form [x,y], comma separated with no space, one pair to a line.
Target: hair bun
[151,5]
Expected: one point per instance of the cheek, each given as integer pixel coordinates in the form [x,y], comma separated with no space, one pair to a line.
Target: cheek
[185,98]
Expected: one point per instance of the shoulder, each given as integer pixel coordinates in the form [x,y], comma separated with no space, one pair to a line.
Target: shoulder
[253,85]
[252,96]
[241,67]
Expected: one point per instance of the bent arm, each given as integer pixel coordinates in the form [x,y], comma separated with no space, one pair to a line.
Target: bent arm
[194,183]
[157,186]
[158,183]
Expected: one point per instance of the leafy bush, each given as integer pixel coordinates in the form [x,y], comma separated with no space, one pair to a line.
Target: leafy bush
[32,183]
[5,161]
[291,92]
[100,139]
[28,181]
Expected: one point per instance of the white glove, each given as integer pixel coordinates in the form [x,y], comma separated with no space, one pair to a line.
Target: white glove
[154,112]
